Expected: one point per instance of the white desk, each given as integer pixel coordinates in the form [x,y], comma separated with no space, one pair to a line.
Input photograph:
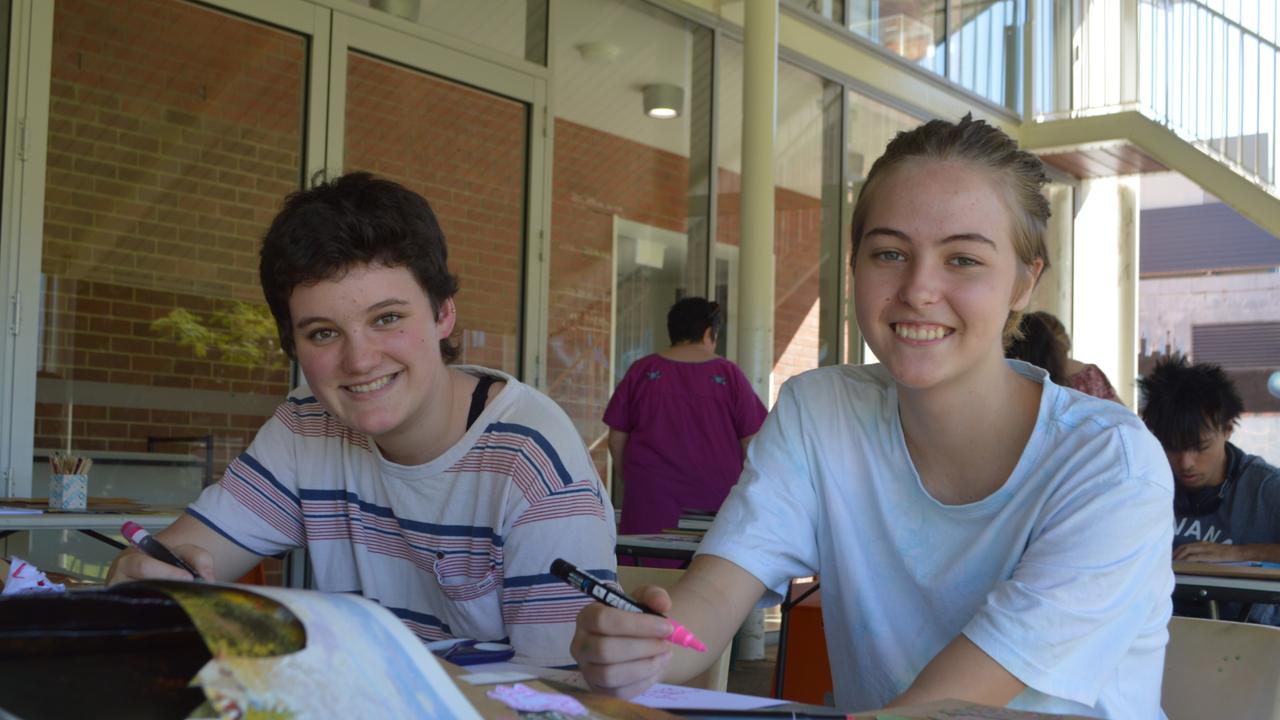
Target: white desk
[101,526]
[670,546]
[1215,582]
[96,525]
[110,521]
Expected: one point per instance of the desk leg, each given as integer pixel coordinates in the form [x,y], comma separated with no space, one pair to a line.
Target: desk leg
[297,570]
[779,670]
[1213,610]
[103,538]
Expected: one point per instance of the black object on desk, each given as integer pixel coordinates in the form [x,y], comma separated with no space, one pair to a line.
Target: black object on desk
[119,653]
[461,651]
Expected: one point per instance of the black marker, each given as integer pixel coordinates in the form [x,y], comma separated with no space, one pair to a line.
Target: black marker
[141,539]
[598,591]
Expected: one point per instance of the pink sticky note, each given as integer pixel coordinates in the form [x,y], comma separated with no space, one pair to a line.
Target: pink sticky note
[526,699]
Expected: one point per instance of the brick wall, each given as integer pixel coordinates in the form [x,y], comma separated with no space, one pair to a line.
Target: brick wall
[464,151]
[597,175]
[174,132]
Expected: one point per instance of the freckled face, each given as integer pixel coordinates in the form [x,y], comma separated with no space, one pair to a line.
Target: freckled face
[368,344]
[937,273]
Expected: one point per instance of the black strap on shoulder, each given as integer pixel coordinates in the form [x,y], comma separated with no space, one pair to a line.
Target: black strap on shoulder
[479,397]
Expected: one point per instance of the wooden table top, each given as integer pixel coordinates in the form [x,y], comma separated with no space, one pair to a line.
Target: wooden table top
[1223,570]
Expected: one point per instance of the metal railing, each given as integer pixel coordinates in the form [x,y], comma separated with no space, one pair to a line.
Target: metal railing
[1205,70]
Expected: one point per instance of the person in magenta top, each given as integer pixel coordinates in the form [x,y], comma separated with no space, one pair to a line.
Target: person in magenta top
[1044,342]
[679,423]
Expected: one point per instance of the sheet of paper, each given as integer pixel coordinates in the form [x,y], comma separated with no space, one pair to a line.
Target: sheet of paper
[572,678]
[661,696]
[678,697]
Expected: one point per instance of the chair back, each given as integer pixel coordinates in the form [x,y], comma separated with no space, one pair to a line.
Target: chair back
[630,577]
[1219,669]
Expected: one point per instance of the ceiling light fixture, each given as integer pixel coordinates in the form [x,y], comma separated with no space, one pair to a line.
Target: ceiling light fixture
[663,101]
[598,53]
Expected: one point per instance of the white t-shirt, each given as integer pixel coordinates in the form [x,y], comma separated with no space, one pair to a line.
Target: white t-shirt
[459,547]
[1063,575]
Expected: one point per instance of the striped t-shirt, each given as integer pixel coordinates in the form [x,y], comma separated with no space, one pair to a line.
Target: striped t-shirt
[458,547]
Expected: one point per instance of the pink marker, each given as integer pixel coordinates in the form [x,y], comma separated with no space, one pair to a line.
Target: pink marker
[598,591]
[141,539]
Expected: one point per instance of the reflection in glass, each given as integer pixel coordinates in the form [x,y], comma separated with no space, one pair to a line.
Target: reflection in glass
[469,163]
[871,126]
[517,28]
[832,10]
[629,191]
[973,43]
[912,29]
[984,49]
[807,110]
[174,132]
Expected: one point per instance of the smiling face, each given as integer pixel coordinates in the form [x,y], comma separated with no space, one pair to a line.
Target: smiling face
[937,273]
[369,346]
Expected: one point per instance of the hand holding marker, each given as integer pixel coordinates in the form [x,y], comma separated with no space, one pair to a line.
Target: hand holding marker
[141,539]
[680,635]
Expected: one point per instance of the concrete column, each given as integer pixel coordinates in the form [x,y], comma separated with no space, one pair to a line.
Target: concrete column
[1105,277]
[755,259]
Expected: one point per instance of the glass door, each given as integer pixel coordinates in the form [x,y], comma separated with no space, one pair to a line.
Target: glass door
[174,130]
[156,140]
[456,129]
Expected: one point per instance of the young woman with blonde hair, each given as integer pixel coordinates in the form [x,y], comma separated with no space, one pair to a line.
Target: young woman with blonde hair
[980,533]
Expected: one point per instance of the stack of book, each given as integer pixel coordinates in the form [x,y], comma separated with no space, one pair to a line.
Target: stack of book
[695,521]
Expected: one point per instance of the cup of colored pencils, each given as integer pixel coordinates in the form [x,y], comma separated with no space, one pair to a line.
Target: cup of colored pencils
[69,483]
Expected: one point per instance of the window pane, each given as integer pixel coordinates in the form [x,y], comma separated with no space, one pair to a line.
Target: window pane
[832,10]
[174,132]
[515,27]
[807,107]
[871,126]
[985,49]
[913,29]
[468,161]
[629,192]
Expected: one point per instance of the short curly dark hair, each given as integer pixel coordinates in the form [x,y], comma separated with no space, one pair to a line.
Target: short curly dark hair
[690,318]
[1182,401]
[355,219]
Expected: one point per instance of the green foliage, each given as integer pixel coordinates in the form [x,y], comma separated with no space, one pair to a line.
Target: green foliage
[242,333]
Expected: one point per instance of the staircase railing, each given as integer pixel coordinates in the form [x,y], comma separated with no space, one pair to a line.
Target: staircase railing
[1208,71]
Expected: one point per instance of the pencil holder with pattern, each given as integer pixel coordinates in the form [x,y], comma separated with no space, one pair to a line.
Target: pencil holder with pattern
[68,492]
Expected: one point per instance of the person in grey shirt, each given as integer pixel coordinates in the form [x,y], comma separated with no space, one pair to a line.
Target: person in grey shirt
[1226,501]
